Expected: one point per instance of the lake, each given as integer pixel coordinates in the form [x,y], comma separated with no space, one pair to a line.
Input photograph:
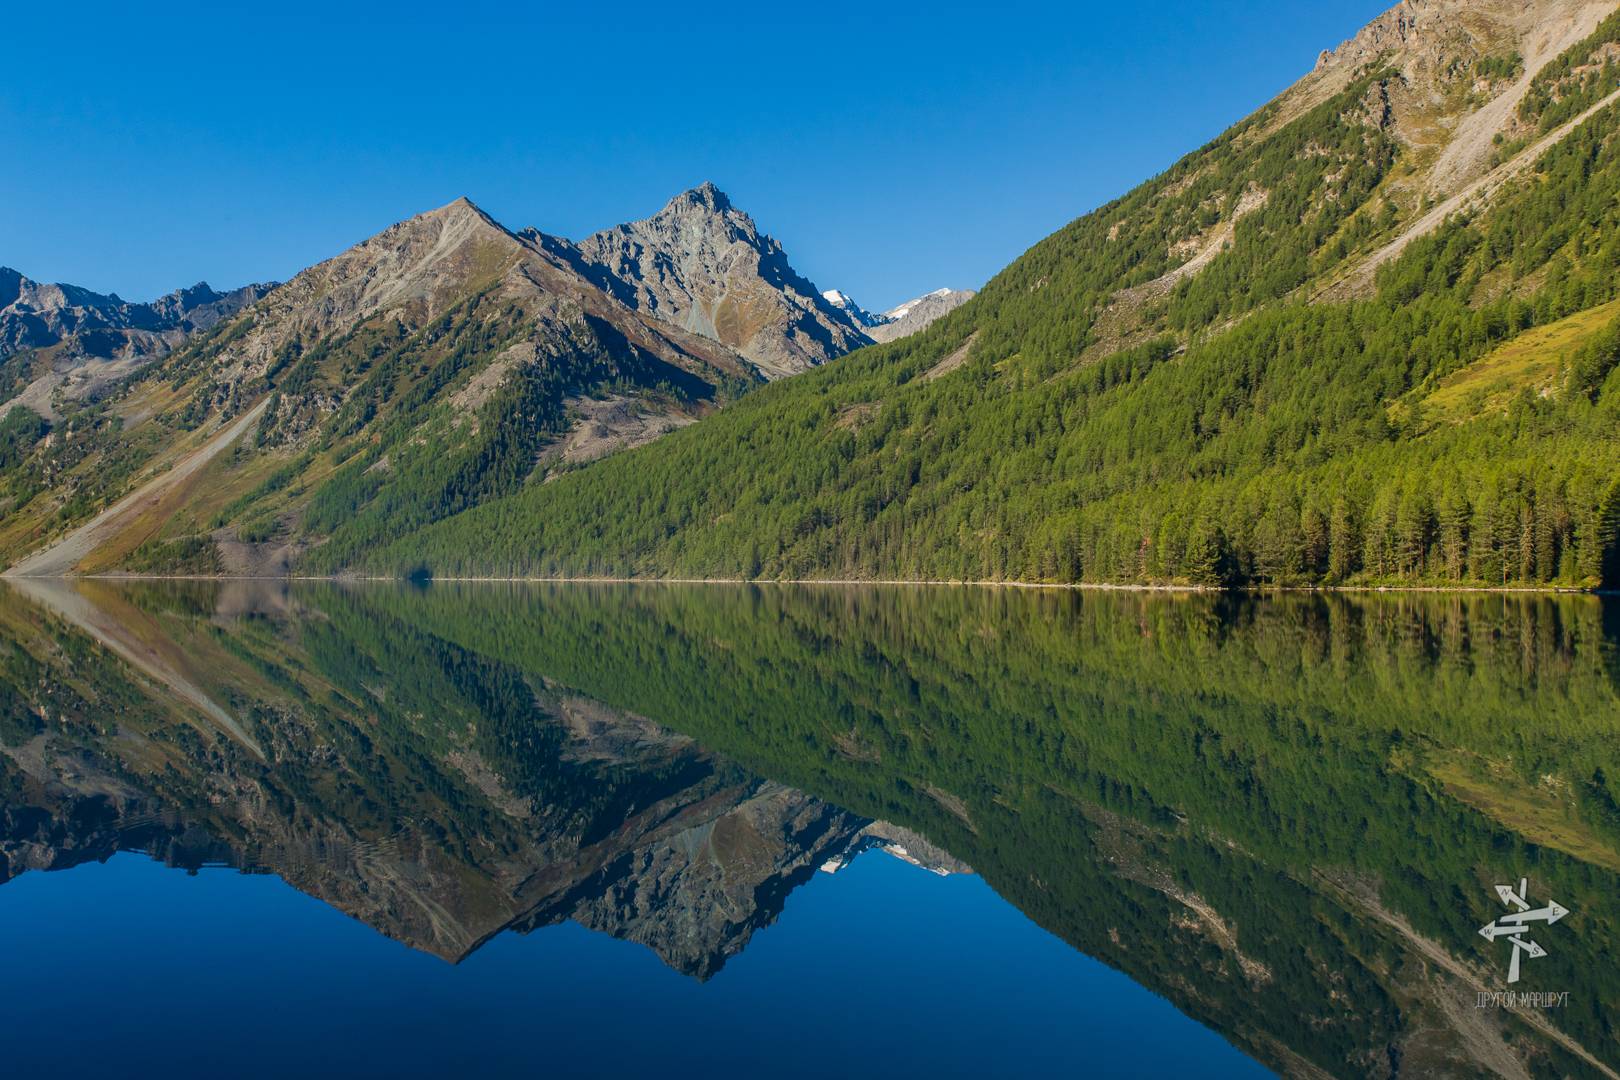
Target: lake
[596,830]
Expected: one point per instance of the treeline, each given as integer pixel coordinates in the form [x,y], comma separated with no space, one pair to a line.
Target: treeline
[1522,523]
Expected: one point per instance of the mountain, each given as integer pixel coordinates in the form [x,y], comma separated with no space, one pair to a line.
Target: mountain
[913,315]
[76,341]
[903,319]
[1367,336]
[852,311]
[703,265]
[33,315]
[440,363]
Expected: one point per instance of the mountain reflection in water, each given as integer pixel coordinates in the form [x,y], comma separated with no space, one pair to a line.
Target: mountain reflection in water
[1285,815]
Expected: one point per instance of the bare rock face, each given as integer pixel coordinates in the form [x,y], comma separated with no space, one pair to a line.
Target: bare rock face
[419,267]
[1429,47]
[702,264]
[1462,131]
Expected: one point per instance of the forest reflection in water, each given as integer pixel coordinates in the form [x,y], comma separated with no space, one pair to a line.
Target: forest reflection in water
[1287,815]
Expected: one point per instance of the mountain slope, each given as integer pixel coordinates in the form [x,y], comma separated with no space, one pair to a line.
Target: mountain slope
[1150,394]
[422,370]
[440,363]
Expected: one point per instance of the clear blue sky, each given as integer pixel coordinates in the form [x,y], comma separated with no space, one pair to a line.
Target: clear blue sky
[891,148]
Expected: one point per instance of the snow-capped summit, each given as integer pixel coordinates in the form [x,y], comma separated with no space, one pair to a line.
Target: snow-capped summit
[853,311]
[913,315]
[907,318]
[895,314]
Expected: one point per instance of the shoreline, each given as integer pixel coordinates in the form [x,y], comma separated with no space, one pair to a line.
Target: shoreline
[1079,586]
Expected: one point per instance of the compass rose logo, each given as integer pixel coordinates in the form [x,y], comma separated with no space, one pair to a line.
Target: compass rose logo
[1516,924]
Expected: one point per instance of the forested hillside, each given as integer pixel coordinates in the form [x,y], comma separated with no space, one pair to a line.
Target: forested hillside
[1288,359]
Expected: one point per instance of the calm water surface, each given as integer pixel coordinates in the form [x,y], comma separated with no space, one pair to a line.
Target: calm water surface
[611,830]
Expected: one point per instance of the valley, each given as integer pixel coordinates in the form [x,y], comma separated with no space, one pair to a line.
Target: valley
[1364,338]
[1112,572]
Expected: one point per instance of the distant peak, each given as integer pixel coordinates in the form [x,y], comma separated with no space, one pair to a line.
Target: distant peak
[461,205]
[949,296]
[705,195]
[846,304]
[463,209]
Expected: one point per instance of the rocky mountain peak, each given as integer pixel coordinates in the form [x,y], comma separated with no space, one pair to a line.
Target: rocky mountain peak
[463,210]
[705,214]
[201,306]
[706,195]
[200,293]
[702,264]
[915,314]
[426,262]
[458,221]
[856,314]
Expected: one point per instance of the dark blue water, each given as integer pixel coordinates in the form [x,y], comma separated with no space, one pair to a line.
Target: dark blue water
[883,969]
